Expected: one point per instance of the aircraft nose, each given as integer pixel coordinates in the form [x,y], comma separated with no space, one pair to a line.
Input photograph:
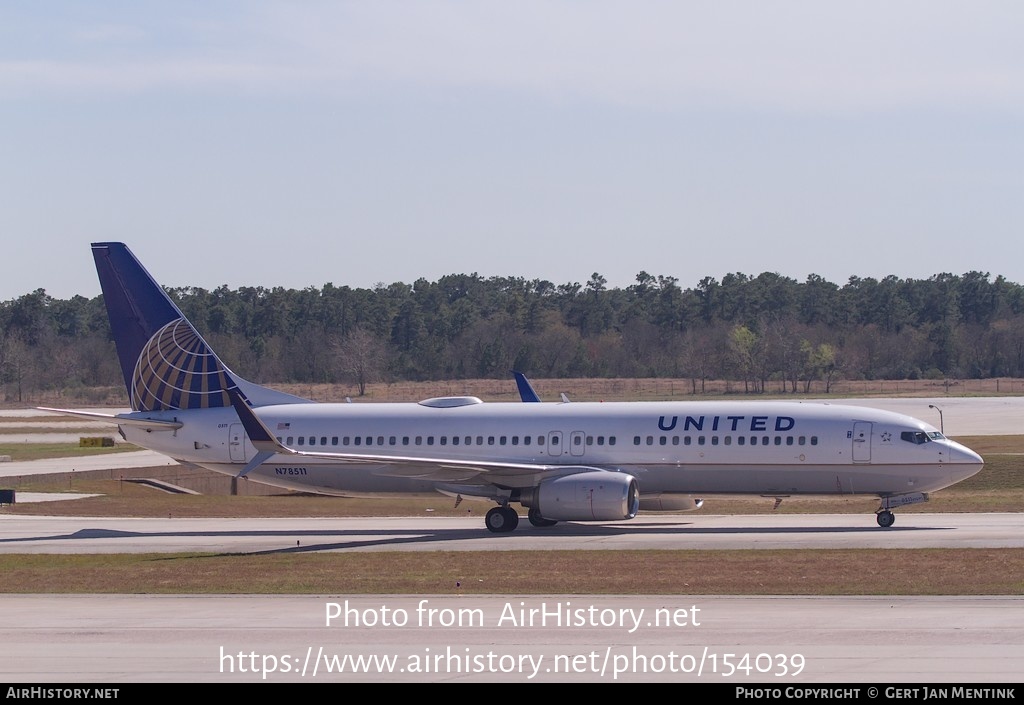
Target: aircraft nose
[967,460]
[964,454]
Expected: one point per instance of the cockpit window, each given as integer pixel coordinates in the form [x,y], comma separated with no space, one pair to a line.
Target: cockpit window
[917,437]
[936,436]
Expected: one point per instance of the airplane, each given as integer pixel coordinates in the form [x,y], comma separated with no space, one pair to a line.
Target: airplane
[580,461]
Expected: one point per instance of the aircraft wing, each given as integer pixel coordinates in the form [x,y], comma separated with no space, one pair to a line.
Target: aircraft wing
[442,469]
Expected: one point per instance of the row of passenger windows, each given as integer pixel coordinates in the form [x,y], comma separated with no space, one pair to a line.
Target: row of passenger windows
[541,440]
[725,440]
[440,440]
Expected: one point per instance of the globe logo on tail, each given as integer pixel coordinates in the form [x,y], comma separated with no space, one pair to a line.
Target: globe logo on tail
[177,370]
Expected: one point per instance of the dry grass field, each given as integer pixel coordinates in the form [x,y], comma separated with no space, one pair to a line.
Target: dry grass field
[754,572]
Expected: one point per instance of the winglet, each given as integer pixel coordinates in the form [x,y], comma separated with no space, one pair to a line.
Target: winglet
[260,436]
[526,390]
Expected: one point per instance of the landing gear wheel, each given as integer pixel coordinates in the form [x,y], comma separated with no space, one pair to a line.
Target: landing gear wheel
[886,519]
[537,520]
[501,520]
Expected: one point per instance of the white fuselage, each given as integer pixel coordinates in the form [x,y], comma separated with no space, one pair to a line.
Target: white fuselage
[762,448]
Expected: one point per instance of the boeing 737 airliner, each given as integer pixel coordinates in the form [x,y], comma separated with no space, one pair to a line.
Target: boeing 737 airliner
[562,461]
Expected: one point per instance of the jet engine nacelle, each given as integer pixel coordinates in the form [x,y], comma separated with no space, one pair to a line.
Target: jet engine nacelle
[589,496]
[670,502]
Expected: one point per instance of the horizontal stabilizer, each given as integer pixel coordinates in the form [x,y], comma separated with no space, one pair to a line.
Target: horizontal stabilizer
[119,420]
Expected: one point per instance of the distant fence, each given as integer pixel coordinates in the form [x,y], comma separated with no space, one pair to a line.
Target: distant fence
[640,389]
[650,389]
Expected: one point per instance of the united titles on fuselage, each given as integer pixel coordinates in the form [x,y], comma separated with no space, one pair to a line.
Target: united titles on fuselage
[729,423]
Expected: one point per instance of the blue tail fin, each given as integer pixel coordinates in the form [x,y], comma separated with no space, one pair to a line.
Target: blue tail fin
[166,364]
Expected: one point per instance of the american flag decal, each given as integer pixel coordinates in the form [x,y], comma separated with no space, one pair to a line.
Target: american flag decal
[283,426]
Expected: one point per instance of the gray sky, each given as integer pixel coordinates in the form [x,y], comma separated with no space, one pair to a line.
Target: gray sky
[294,144]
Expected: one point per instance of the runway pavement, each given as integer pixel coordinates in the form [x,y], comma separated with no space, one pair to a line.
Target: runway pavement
[82,463]
[777,642]
[41,534]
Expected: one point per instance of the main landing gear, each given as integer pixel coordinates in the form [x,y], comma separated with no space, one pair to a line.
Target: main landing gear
[885,519]
[501,520]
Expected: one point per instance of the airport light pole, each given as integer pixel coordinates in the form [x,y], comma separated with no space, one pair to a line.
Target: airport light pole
[942,426]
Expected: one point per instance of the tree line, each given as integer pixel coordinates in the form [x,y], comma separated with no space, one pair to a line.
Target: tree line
[748,329]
